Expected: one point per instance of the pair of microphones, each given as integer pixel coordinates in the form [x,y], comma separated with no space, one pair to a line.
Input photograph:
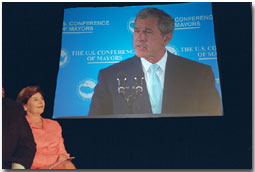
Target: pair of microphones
[130,92]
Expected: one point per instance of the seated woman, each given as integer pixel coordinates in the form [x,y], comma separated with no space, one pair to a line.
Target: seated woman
[47,133]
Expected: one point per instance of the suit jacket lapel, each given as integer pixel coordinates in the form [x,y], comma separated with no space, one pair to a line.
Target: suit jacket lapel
[142,104]
[169,83]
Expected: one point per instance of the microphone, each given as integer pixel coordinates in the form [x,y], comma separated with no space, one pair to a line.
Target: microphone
[139,78]
[130,92]
[122,78]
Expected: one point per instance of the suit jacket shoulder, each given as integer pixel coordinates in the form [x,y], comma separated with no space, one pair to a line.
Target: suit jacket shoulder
[186,63]
[18,141]
[190,88]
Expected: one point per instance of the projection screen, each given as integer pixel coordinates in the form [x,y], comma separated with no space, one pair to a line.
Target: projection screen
[97,38]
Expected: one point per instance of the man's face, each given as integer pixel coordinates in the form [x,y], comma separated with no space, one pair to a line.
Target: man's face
[148,41]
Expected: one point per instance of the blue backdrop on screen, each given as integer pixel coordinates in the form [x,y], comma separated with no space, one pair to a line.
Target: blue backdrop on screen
[94,38]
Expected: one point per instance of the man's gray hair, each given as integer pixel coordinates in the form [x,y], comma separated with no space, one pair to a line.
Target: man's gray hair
[165,21]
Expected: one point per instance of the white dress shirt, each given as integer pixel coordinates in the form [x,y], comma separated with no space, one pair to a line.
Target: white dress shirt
[161,71]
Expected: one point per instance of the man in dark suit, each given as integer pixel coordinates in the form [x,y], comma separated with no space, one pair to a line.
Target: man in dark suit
[18,141]
[174,85]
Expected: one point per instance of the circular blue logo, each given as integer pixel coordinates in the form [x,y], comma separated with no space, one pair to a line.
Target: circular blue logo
[86,89]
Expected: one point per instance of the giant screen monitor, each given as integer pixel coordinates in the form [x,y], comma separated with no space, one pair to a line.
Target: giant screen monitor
[98,74]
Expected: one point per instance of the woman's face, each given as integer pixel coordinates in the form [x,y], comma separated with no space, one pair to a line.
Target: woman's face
[35,104]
